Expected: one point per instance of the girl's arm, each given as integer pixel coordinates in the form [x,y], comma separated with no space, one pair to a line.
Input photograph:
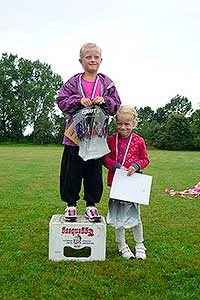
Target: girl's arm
[143,160]
[108,160]
[109,163]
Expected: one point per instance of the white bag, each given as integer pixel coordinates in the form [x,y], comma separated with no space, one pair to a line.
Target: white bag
[91,125]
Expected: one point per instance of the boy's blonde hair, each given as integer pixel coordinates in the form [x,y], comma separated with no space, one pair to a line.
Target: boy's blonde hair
[127,109]
[87,46]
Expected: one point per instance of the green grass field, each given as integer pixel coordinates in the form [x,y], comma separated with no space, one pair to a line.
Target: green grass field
[29,195]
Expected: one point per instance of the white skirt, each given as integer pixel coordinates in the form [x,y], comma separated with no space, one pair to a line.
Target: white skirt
[123,214]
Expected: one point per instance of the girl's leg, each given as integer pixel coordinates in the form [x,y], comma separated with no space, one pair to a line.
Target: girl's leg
[120,236]
[140,250]
[123,248]
[138,233]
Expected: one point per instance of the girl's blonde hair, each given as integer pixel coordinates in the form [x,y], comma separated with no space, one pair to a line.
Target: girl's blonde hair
[87,46]
[127,109]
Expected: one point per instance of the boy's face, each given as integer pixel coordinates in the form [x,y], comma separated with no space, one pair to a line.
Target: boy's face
[125,124]
[91,60]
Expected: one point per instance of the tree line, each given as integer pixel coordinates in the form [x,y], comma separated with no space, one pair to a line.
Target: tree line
[172,127]
[27,98]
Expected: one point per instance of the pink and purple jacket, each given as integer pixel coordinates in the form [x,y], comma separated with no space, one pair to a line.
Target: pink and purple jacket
[69,97]
[136,154]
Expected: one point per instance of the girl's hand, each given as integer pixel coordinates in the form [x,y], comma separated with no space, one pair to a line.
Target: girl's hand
[131,171]
[123,168]
[86,102]
[98,100]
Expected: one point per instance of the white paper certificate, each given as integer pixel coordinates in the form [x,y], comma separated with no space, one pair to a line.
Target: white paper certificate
[135,188]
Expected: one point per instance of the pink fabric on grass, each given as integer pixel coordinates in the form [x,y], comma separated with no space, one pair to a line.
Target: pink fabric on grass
[193,192]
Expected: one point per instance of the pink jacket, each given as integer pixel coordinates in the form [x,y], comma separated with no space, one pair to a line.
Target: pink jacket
[136,155]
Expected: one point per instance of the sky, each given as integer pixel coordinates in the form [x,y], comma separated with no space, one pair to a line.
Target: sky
[150,48]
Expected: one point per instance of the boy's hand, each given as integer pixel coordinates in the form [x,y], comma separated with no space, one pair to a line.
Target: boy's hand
[86,102]
[98,100]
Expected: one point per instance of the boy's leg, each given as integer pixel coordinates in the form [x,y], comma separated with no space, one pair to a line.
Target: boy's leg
[70,175]
[93,187]
[93,183]
[70,180]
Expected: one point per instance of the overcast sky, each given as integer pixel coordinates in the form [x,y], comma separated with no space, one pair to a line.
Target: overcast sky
[151,48]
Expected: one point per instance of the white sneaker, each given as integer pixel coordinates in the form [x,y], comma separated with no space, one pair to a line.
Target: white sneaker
[92,214]
[70,213]
[140,251]
[126,252]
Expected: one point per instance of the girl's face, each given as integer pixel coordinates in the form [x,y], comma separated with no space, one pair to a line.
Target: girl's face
[91,60]
[125,124]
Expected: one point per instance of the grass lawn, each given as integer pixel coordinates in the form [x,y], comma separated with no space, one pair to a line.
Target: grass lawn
[29,196]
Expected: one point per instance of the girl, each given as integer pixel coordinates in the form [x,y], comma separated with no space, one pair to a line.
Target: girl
[128,152]
[84,90]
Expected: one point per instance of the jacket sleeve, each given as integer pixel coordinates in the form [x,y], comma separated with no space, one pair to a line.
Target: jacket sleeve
[68,99]
[112,99]
[143,155]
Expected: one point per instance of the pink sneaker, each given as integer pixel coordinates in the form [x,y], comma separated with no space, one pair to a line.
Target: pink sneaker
[92,214]
[70,213]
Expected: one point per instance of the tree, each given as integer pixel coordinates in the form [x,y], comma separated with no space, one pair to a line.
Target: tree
[8,103]
[161,115]
[59,123]
[195,128]
[43,130]
[145,115]
[27,94]
[179,105]
[159,136]
[144,125]
[175,134]
[44,86]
